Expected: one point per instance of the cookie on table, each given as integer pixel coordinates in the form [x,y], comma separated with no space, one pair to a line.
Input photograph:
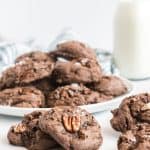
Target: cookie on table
[22,97]
[34,56]
[72,127]
[28,134]
[82,70]
[134,109]
[74,95]
[73,50]
[25,72]
[110,85]
[135,139]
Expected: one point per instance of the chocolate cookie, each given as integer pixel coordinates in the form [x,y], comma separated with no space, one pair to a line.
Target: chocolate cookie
[110,85]
[25,72]
[82,70]
[74,95]
[22,97]
[73,50]
[72,127]
[34,56]
[133,110]
[136,139]
[28,134]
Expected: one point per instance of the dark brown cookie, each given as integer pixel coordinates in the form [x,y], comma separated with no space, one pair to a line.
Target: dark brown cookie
[28,134]
[74,95]
[25,72]
[73,50]
[132,110]
[110,85]
[82,70]
[22,97]
[135,139]
[72,127]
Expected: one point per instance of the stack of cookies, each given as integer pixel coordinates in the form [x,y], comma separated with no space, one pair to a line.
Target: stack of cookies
[132,119]
[70,75]
[61,128]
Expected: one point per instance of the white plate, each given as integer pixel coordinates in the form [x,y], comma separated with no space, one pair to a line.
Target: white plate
[92,108]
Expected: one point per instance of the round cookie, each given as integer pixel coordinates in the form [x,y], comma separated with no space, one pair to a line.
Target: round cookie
[73,50]
[28,134]
[134,109]
[22,97]
[82,70]
[74,95]
[72,127]
[135,139]
[110,85]
[25,72]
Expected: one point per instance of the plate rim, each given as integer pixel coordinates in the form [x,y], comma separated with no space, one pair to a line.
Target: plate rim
[92,108]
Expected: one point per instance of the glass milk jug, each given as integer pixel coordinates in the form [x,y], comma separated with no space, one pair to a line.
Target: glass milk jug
[132,38]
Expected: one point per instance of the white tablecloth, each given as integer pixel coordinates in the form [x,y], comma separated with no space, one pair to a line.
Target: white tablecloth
[109,135]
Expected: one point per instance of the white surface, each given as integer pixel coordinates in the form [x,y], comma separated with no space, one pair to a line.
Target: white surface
[92,108]
[132,38]
[110,136]
[42,19]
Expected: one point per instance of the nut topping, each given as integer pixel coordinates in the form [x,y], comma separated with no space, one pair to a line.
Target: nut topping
[71,123]
[19,128]
[146,107]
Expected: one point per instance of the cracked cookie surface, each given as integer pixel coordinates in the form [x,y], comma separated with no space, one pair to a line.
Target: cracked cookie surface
[28,134]
[135,139]
[37,56]
[22,97]
[25,72]
[82,70]
[73,50]
[134,109]
[72,127]
[74,95]
[110,85]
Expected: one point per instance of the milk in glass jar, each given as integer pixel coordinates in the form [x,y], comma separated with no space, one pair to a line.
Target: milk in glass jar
[132,38]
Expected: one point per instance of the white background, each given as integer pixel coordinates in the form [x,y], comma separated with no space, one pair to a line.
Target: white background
[43,19]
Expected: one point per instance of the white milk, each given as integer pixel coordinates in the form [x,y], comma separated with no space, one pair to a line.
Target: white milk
[132,38]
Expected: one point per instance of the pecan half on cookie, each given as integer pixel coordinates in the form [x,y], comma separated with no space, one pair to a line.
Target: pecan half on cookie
[71,123]
[72,127]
